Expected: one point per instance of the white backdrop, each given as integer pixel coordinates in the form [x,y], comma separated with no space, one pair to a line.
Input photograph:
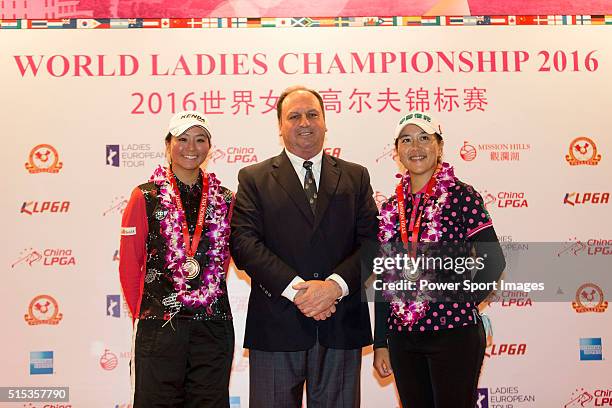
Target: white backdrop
[520,125]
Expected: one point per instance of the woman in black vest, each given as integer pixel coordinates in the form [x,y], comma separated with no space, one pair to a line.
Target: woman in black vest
[173,263]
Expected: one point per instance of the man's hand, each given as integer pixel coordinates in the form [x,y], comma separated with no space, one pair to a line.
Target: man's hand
[326,314]
[316,298]
[382,362]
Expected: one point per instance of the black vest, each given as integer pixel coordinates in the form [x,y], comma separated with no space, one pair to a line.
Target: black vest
[159,297]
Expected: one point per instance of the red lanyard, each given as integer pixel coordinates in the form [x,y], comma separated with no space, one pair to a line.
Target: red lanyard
[191,249]
[415,225]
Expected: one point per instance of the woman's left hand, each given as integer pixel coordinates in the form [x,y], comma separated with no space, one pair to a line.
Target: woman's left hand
[382,362]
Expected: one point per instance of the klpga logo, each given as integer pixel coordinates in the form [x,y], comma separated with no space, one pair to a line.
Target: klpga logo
[40,207]
[590,349]
[506,349]
[586,198]
[41,362]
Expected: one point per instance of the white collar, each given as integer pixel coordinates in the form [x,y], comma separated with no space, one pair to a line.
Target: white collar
[298,162]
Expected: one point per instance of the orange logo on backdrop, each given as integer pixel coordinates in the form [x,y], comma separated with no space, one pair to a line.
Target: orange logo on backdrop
[583,151]
[590,298]
[43,159]
[43,309]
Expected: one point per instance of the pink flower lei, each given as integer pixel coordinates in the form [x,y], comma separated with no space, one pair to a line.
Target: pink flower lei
[408,313]
[217,230]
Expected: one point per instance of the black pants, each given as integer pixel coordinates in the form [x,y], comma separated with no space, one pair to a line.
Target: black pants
[438,369]
[186,364]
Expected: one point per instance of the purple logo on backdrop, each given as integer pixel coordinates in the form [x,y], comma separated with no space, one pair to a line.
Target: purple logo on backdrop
[112,155]
[482,398]
[113,306]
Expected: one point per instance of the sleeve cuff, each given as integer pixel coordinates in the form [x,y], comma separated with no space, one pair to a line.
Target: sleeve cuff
[338,279]
[289,292]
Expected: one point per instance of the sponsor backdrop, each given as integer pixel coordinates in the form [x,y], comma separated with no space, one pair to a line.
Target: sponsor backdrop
[524,111]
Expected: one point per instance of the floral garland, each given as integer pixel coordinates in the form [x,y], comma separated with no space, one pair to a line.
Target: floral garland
[217,231]
[408,313]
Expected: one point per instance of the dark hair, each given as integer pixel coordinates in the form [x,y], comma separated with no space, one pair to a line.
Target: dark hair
[169,138]
[437,137]
[286,92]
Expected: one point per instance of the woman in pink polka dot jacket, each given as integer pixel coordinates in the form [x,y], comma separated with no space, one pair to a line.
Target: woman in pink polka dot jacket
[435,349]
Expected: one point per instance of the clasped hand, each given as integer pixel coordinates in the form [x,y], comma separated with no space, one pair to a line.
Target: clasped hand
[316,298]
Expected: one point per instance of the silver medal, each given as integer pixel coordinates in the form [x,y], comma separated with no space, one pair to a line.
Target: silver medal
[410,271]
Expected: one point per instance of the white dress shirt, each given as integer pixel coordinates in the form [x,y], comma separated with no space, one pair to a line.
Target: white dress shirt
[298,166]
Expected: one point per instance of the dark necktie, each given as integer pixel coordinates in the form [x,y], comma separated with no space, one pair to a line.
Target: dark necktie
[310,186]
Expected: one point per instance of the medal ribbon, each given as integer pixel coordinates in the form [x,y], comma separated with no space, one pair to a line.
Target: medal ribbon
[415,225]
[191,249]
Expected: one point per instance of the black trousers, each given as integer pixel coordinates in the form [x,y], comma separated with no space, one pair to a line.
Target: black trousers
[183,364]
[438,369]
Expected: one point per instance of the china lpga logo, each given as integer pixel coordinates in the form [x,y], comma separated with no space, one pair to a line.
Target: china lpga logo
[234,154]
[505,199]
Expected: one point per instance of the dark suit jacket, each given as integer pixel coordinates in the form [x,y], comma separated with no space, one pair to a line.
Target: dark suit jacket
[275,237]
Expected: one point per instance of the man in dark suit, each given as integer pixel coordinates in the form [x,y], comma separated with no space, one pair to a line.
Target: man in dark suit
[299,221]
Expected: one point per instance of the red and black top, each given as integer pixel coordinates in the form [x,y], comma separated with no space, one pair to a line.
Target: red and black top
[147,284]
